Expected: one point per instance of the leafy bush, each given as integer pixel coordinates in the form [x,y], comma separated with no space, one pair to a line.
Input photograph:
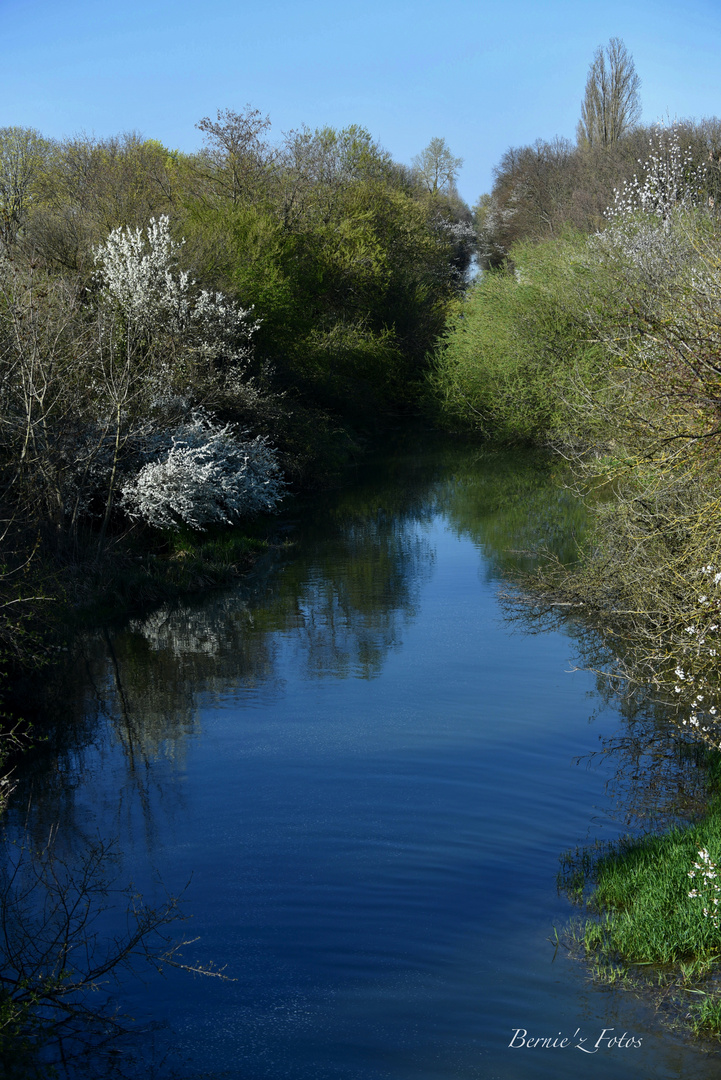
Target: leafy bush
[520,346]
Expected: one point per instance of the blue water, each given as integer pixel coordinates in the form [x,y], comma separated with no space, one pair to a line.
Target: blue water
[366,774]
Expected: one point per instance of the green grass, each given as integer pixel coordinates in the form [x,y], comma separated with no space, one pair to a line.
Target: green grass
[642,928]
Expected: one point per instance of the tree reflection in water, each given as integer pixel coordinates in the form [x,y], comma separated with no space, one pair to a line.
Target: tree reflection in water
[340,596]
[335,604]
[660,776]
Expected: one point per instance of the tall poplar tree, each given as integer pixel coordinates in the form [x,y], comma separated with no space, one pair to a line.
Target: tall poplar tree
[611,105]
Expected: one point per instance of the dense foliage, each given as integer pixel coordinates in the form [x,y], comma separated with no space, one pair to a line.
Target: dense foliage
[517,355]
[180,332]
[541,190]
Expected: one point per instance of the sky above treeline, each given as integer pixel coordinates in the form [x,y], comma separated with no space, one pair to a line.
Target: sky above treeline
[484,76]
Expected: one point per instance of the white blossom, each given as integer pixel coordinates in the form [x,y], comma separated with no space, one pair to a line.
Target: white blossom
[138,272]
[208,475]
[709,891]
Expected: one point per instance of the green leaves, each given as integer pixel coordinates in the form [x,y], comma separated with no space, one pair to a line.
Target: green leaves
[517,347]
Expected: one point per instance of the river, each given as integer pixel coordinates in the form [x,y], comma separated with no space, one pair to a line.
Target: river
[365,773]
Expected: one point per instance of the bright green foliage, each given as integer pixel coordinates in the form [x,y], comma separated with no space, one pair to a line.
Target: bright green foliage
[520,345]
[349,267]
[23,161]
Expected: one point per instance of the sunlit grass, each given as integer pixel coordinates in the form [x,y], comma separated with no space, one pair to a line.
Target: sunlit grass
[651,916]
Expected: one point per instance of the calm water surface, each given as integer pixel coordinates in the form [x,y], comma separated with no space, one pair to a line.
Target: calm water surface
[368,776]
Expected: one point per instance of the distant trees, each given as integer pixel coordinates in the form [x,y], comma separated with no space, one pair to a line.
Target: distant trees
[23,155]
[611,105]
[437,167]
[540,189]
[513,358]
[236,151]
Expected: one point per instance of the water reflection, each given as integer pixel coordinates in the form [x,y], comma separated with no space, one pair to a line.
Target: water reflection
[343,591]
[658,775]
[370,780]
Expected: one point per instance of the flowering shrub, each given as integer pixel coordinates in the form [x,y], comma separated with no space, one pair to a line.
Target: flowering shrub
[709,888]
[208,476]
[648,228]
[669,179]
[138,274]
[695,674]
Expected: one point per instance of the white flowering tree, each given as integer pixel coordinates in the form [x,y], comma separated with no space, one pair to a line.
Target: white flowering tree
[137,274]
[139,277]
[158,324]
[652,223]
[86,376]
[209,475]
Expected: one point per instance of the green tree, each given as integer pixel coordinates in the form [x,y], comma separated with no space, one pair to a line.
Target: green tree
[236,154]
[23,153]
[511,360]
[437,168]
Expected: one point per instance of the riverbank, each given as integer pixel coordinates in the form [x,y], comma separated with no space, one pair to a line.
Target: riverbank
[606,345]
[652,918]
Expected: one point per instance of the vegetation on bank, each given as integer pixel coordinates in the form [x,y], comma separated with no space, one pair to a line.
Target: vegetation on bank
[607,346]
[597,332]
[185,338]
[653,911]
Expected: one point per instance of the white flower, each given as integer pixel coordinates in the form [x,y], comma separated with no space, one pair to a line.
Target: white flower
[208,475]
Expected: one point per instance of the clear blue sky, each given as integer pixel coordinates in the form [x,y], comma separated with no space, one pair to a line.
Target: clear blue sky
[483,75]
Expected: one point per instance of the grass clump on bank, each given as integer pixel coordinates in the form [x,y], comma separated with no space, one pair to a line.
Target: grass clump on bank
[653,919]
